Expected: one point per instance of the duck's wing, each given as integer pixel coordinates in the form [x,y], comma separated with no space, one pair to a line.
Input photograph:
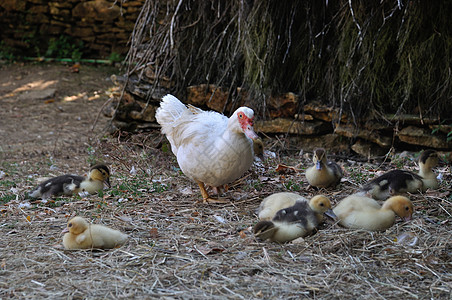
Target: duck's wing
[338,173]
[264,229]
[198,129]
[275,202]
[300,213]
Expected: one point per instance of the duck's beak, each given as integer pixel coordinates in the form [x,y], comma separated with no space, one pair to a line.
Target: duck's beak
[249,131]
[330,213]
[65,230]
[318,165]
[107,182]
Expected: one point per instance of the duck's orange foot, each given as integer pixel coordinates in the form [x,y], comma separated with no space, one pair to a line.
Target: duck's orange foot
[213,200]
[206,198]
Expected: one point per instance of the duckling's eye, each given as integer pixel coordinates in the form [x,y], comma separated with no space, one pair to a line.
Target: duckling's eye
[407,208]
[321,204]
[69,225]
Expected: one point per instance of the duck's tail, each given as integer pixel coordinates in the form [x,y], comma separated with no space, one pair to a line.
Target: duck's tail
[169,111]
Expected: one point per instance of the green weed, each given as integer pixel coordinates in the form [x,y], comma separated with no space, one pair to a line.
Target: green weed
[293,186]
[137,186]
[258,185]
[115,57]
[441,126]
[6,52]
[64,47]
[6,198]
[7,184]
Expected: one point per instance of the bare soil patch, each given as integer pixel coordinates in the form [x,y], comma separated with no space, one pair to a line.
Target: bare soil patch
[179,248]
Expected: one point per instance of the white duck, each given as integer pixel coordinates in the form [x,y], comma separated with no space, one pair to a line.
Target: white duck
[210,148]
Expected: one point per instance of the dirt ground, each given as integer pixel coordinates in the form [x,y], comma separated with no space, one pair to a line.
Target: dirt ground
[178,248]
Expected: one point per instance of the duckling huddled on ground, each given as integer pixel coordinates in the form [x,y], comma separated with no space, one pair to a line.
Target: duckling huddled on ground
[79,234]
[71,184]
[427,161]
[361,212]
[401,181]
[258,148]
[324,173]
[287,216]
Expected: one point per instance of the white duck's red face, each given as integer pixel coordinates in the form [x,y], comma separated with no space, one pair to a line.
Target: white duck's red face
[246,116]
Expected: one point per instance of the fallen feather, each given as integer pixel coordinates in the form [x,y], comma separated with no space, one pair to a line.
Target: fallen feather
[24,205]
[133,171]
[220,219]
[83,194]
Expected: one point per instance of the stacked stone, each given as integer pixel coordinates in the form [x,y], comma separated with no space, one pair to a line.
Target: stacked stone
[310,125]
[104,26]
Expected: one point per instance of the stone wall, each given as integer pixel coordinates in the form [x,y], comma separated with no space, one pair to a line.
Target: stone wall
[104,26]
[308,126]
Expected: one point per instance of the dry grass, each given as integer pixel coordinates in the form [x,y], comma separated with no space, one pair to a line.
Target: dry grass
[182,249]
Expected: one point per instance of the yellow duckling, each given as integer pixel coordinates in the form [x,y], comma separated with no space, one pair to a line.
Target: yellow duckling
[360,212]
[295,217]
[400,181]
[71,184]
[324,173]
[82,235]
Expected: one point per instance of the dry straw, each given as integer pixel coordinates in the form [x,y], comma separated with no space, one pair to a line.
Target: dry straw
[182,250]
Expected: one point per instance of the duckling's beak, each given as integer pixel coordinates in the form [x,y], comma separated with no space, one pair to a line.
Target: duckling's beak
[318,165]
[407,218]
[330,213]
[65,230]
[107,182]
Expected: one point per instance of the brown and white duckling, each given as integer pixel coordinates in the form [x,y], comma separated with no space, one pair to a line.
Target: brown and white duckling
[360,212]
[324,173]
[427,161]
[401,181]
[79,234]
[71,184]
[275,202]
[290,222]
[258,148]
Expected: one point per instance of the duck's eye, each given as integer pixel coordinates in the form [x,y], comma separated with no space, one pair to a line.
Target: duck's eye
[241,115]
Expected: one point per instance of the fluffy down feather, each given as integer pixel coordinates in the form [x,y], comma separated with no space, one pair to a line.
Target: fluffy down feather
[82,235]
